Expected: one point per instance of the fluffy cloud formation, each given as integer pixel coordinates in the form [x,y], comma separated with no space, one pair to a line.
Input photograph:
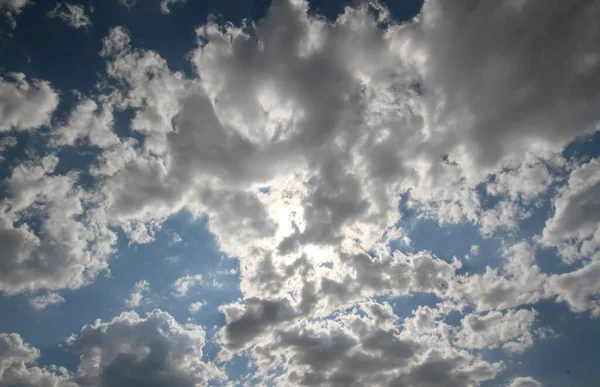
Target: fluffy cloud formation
[51,229]
[580,289]
[525,382]
[195,307]
[25,105]
[182,285]
[17,369]
[510,329]
[300,139]
[575,226]
[135,351]
[43,301]
[355,350]
[136,297]
[71,14]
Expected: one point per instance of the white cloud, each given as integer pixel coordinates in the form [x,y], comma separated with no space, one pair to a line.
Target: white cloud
[136,297]
[12,8]
[45,300]
[580,289]
[182,285]
[511,330]
[17,367]
[165,4]
[526,381]
[52,231]
[195,307]
[25,105]
[518,281]
[71,14]
[574,228]
[354,350]
[88,120]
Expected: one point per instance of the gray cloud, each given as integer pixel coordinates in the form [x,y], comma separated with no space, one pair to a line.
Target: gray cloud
[133,351]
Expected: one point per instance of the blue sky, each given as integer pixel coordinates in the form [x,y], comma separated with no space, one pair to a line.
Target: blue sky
[257,193]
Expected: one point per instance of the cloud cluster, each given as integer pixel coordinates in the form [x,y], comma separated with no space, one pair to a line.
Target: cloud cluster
[299,139]
[51,230]
[127,351]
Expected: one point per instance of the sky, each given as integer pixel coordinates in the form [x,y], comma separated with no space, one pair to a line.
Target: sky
[299,193]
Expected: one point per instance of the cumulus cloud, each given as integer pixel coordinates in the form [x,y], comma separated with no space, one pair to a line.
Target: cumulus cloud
[526,381]
[580,289]
[511,330]
[89,120]
[17,367]
[518,281]
[140,351]
[574,228]
[356,351]
[52,231]
[195,307]
[297,138]
[136,297]
[165,4]
[182,285]
[12,8]
[43,301]
[25,105]
[72,15]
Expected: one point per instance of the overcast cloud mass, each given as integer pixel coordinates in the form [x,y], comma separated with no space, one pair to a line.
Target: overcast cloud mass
[299,193]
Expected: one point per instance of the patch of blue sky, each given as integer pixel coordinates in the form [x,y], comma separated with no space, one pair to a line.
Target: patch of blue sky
[403,306]
[197,253]
[565,358]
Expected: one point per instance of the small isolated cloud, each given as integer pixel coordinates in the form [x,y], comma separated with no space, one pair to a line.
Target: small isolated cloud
[182,285]
[72,14]
[195,307]
[12,8]
[166,4]
[6,143]
[176,239]
[45,300]
[474,250]
[526,381]
[127,3]
[136,297]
